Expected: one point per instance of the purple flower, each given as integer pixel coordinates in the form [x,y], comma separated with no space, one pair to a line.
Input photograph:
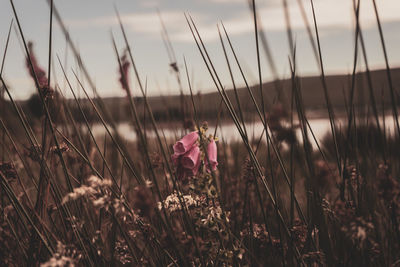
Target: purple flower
[212,155]
[192,172]
[187,164]
[191,158]
[186,156]
[186,143]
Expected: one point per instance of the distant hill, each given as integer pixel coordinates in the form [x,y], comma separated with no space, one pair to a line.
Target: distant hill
[167,108]
[311,88]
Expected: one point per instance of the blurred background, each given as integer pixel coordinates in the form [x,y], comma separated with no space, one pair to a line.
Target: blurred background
[90,23]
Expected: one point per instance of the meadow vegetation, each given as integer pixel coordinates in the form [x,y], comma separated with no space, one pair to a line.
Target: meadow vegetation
[70,197]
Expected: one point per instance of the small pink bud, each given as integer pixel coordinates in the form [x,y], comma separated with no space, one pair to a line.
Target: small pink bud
[186,143]
[194,171]
[212,155]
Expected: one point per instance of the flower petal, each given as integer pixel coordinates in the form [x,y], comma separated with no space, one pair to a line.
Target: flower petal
[212,155]
[186,143]
[191,158]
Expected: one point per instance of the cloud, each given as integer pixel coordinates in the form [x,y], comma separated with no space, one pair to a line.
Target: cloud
[146,22]
[209,32]
[338,13]
[149,4]
[245,2]
[229,1]
[141,22]
[330,15]
[150,22]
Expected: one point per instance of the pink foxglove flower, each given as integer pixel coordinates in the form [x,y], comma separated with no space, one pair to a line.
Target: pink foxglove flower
[186,143]
[187,164]
[193,171]
[186,156]
[212,155]
[191,158]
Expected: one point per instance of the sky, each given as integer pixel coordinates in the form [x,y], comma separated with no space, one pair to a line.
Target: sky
[91,22]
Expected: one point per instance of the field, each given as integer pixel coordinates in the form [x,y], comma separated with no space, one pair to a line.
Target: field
[72,197]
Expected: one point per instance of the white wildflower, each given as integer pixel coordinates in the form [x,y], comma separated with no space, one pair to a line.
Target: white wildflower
[148,183]
[215,214]
[361,233]
[119,205]
[96,190]
[172,202]
[60,261]
[59,258]
[99,203]
[96,182]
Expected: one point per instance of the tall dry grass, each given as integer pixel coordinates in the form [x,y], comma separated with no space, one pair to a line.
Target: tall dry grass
[72,197]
